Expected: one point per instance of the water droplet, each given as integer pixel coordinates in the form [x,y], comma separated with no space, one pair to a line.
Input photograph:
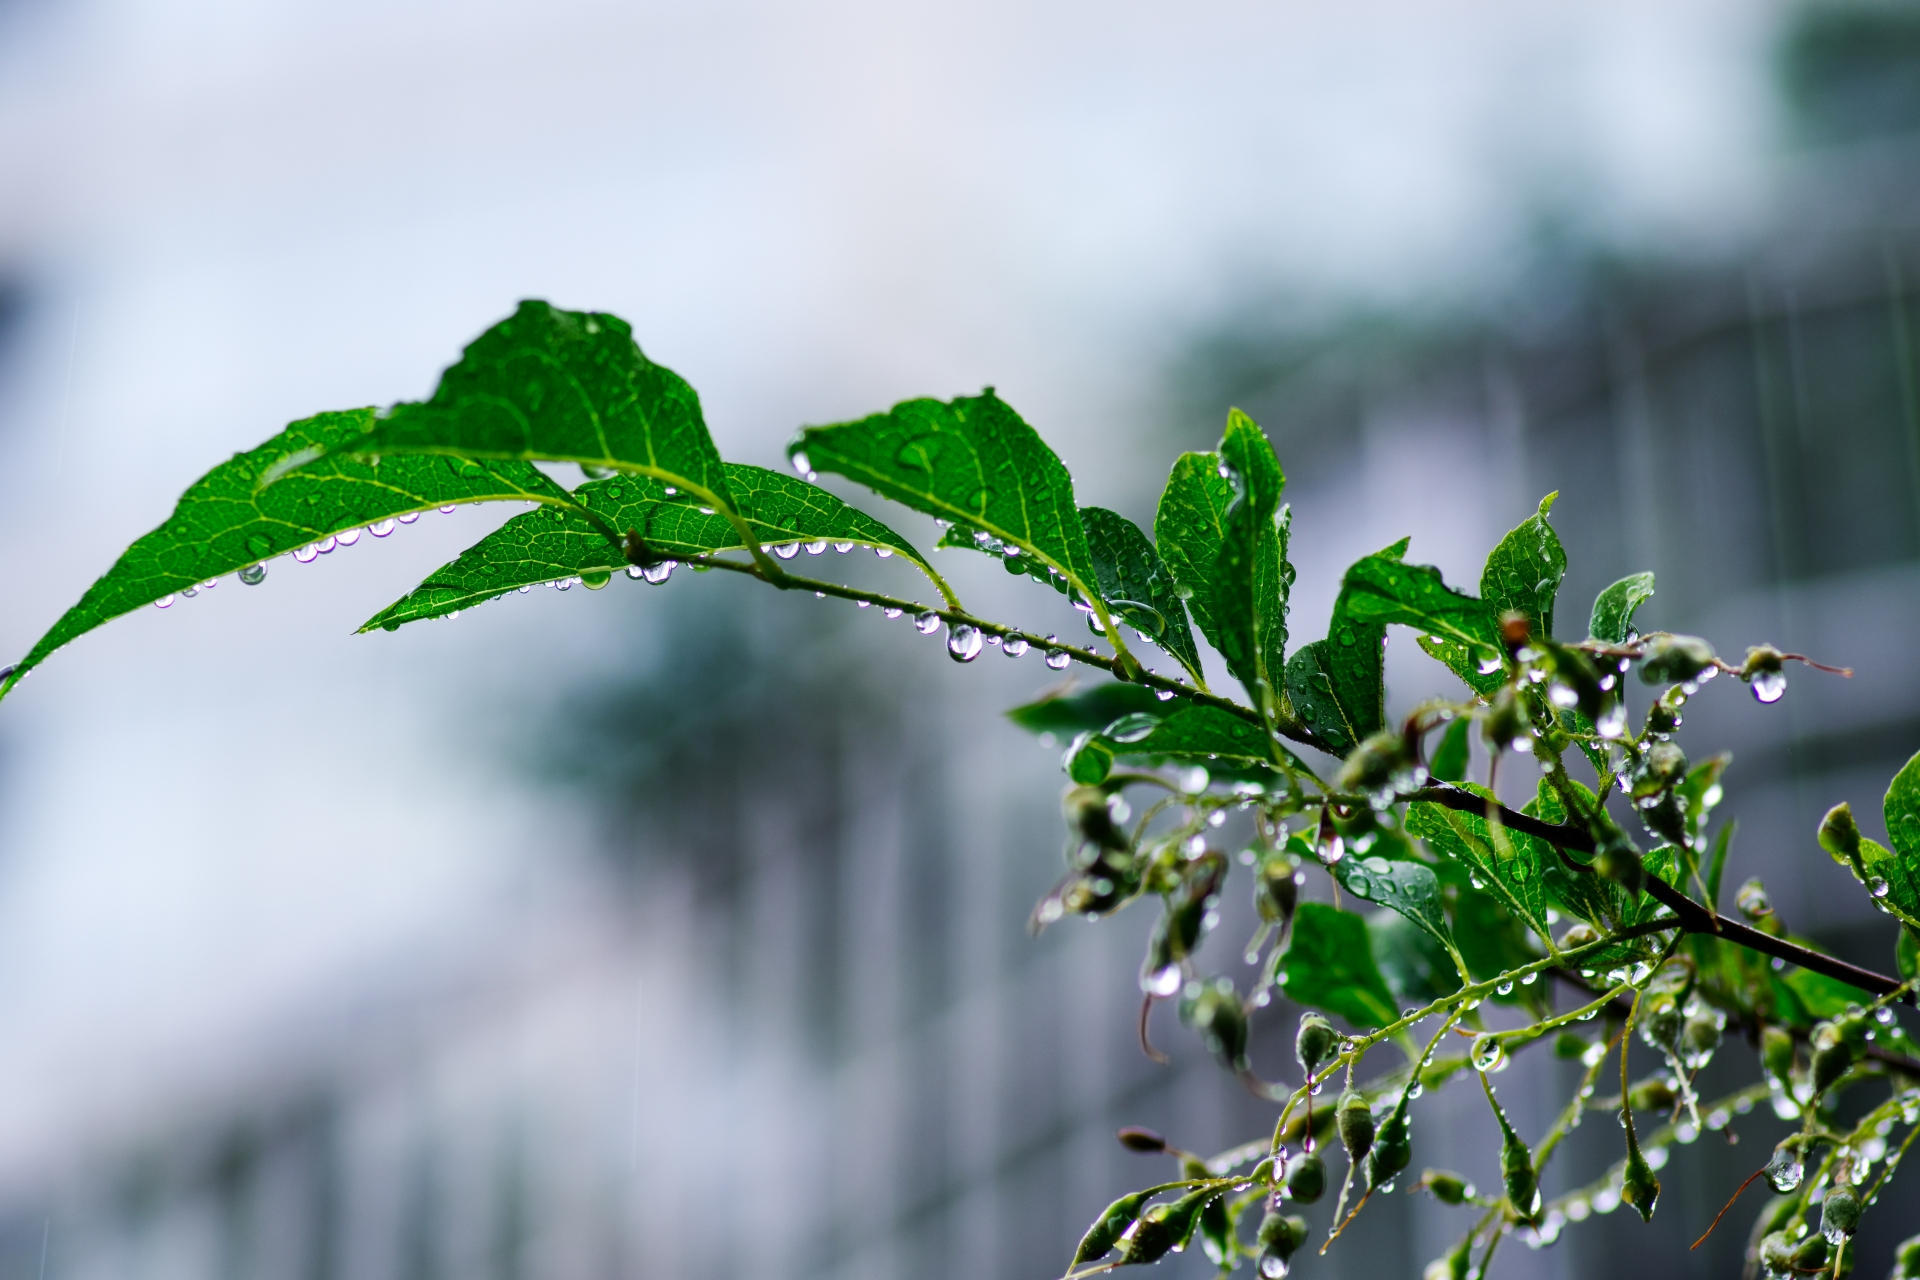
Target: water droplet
[863,604]
[326,545]
[926,623]
[190,592]
[563,584]
[800,463]
[1563,696]
[1505,988]
[655,574]
[380,528]
[1487,666]
[1612,722]
[884,553]
[307,554]
[528,586]
[843,547]
[254,574]
[1769,686]
[1877,886]
[890,612]
[1058,659]
[447,510]
[1162,982]
[815,548]
[1132,728]
[1488,1053]
[964,643]
[595,581]
[1165,695]
[410,517]
[1014,646]
[348,538]
[1273,1266]
[164,602]
[785,550]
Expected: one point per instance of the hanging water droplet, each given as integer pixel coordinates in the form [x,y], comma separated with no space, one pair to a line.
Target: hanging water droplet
[164,602]
[1273,1266]
[655,574]
[1769,686]
[926,623]
[410,517]
[595,581]
[348,538]
[800,464]
[671,492]
[1488,1053]
[1058,659]
[786,550]
[380,528]
[1013,646]
[253,575]
[191,592]
[815,548]
[307,554]
[447,510]
[863,604]
[884,553]
[1162,982]
[1563,696]
[563,584]
[1164,695]
[964,643]
[525,587]
[890,612]
[1613,721]
[1877,886]
[1505,988]
[843,547]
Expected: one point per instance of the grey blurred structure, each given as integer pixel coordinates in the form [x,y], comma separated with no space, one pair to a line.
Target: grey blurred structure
[744,987]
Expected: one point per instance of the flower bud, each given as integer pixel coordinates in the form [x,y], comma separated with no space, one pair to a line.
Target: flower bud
[1839,1213]
[1276,890]
[1315,1042]
[1671,659]
[1392,1151]
[1518,1177]
[1506,720]
[1134,1138]
[1810,1255]
[1662,718]
[1213,1010]
[1906,1259]
[1700,1037]
[1664,765]
[1752,900]
[1089,812]
[1279,1238]
[1307,1178]
[1776,1254]
[1776,1054]
[1106,1229]
[1655,1093]
[1164,1228]
[1660,1025]
[1355,1121]
[1638,1186]
[1446,1186]
[1833,1056]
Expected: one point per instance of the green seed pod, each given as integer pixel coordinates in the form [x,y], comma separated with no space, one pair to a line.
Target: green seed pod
[1506,720]
[1906,1259]
[1673,659]
[1810,1254]
[1216,1232]
[1839,1213]
[1375,764]
[1638,1186]
[1700,1037]
[1452,1266]
[1392,1151]
[1518,1177]
[1776,1254]
[1752,900]
[1134,1138]
[1661,1024]
[1833,1056]
[1355,1120]
[1662,718]
[1106,1228]
[1307,1179]
[1165,1228]
[1776,1054]
[1446,1186]
[1840,835]
[1276,890]
[1315,1042]
[1089,812]
[1653,1094]
[1279,1238]
[1214,1011]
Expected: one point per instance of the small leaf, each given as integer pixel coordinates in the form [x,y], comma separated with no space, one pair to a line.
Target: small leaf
[1064,713]
[972,462]
[1330,967]
[1137,587]
[1525,570]
[1415,965]
[1906,955]
[1406,887]
[1511,866]
[564,386]
[1452,756]
[1251,577]
[549,544]
[1189,529]
[1901,869]
[1613,608]
[226,521]
[1381,589]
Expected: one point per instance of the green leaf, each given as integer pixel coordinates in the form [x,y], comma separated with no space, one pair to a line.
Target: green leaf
[1382,590]
[1189,733]
[1512,866]
[1065,713]
[1189,529]
[1613,608]
[1415,965]
[1137,587]
[1452,756]
[1525,570]
[564,386]
[226,521]
[1336,686]
[1329,966]
[1407,887]
[1901,869]
[1492,939]
[972,462]
[1906,955]
[552,543]
[1251,577]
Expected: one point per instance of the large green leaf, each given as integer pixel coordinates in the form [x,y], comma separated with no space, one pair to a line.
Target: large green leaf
[541,546]
[1066,713]
[1336,686]
[1189,529]
[1407,887]
[972,462]
[1510,864]
[1613,608]
[227,521]
[565,386]
[1251,575]
[1902,811]
[1329,966]
[1136,585]
[1524,571]
[1382,590]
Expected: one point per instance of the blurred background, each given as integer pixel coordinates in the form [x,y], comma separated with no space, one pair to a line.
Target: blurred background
[680,931]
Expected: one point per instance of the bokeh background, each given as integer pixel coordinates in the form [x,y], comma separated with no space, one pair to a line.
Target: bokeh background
[679,931]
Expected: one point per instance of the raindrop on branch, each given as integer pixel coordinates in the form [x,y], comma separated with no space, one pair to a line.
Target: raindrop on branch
[1013,646]
[1769,686]
[1058,659]
[964,643]
[926,623]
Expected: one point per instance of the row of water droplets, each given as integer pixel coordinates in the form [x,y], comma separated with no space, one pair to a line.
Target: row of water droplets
[254,574]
